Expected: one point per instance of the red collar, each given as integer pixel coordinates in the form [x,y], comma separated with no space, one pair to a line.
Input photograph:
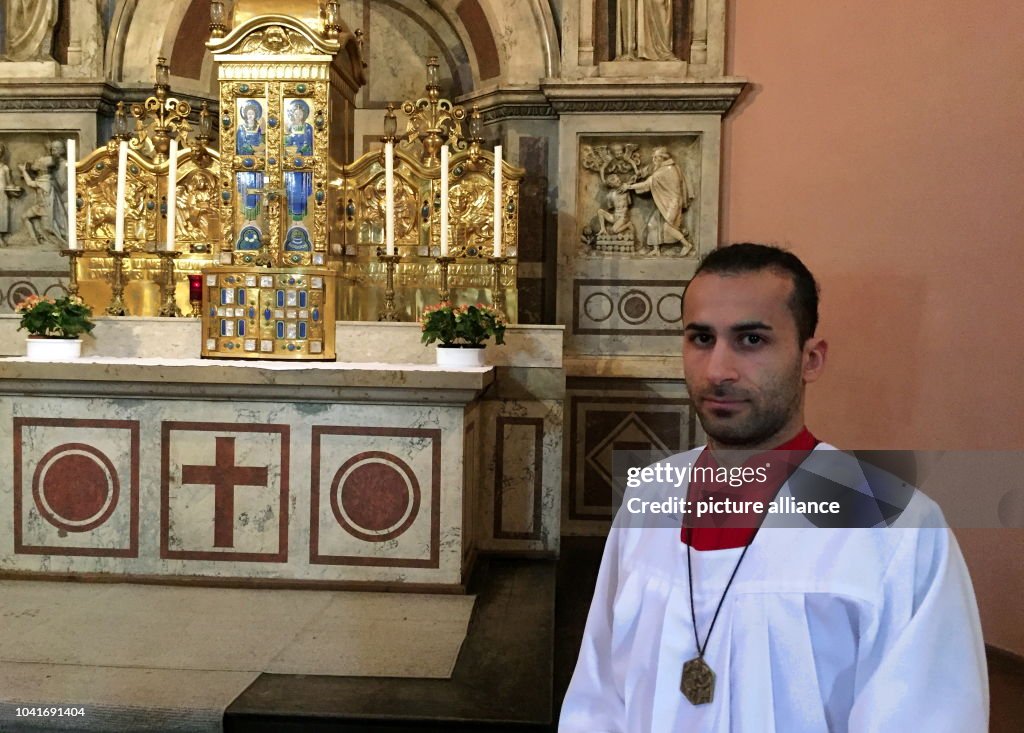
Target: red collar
[723,532]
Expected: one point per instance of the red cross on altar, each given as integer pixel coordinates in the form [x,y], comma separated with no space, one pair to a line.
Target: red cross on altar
[224,477]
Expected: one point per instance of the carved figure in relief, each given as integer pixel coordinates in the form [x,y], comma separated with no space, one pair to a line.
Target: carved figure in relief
[471,203]
[374,196]
[619,202]
[47,177]
[101,210]
[643,30]
[195,207]
[672,197]
[8,190]
[29,30]
[249,136]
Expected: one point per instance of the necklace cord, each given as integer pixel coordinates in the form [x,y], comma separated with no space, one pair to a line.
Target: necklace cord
[689,583]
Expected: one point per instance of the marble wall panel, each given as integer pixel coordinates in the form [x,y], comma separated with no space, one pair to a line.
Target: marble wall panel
[75,487]
[607,417]
[224,491]
[518,478]
[376,496]
[471,479]
[625,303]
[627,307]
[521,481]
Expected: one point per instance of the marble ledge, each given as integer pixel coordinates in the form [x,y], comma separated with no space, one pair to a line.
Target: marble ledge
[630,367]
[598,87]
[526,346]
[201,379]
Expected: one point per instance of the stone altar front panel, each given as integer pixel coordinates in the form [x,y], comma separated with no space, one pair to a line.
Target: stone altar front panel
[204,488]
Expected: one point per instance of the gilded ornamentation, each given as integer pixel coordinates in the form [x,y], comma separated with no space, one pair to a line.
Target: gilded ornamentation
[276,40]
[160,118]
[99,188]
[406,210]
[196,210]
[433,121]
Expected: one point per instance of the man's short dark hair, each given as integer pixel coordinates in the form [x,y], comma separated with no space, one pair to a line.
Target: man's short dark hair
[747,257]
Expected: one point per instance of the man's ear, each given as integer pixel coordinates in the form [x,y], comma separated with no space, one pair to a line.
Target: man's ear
[814,357]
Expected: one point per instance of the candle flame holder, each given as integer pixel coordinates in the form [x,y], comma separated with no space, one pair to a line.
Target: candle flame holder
[442,264]
[498,292]
[390,313]
[168,308]
[117,306]
[72,255]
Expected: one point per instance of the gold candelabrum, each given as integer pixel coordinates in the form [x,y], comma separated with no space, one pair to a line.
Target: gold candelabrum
[442,265]
[390,312]
[498,292]
[117,306]
[433,120]
[204,136]
[72,255]
[160,117]
[168,308]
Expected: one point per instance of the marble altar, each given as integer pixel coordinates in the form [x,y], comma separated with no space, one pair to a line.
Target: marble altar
[354,474]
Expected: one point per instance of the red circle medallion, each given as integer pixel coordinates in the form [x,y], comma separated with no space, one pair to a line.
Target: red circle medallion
[75,487]
[375,496]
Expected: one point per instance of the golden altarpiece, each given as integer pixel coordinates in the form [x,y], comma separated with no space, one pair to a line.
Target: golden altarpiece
[288,237]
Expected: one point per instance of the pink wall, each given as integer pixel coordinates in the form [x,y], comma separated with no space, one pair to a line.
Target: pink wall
[882,142]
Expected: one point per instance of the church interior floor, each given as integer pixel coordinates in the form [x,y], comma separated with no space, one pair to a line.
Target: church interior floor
[515,662]
[174,658]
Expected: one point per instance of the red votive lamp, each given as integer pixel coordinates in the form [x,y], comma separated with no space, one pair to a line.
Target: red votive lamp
[195,293]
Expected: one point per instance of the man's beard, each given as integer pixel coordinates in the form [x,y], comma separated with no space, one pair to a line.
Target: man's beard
[763,418]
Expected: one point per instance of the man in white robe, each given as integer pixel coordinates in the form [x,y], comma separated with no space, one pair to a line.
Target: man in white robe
[870,629]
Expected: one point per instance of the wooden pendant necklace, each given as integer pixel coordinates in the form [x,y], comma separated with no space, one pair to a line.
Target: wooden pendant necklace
[698,683]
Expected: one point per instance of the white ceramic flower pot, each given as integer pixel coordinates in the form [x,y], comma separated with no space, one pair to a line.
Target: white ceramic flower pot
[52,349]
[457,357]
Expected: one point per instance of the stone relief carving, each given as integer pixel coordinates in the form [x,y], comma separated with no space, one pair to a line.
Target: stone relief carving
[618,166]
[29,30]
[643,30]
[667,186]
[8,190]
[45,222]
[633,208]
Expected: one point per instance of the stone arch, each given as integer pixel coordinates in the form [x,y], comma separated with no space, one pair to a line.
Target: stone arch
[484,42]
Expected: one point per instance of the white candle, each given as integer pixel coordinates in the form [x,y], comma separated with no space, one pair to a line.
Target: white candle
[444,200]
[72,195]
[122,180]
[497,201]
[172,192]
[389,198]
